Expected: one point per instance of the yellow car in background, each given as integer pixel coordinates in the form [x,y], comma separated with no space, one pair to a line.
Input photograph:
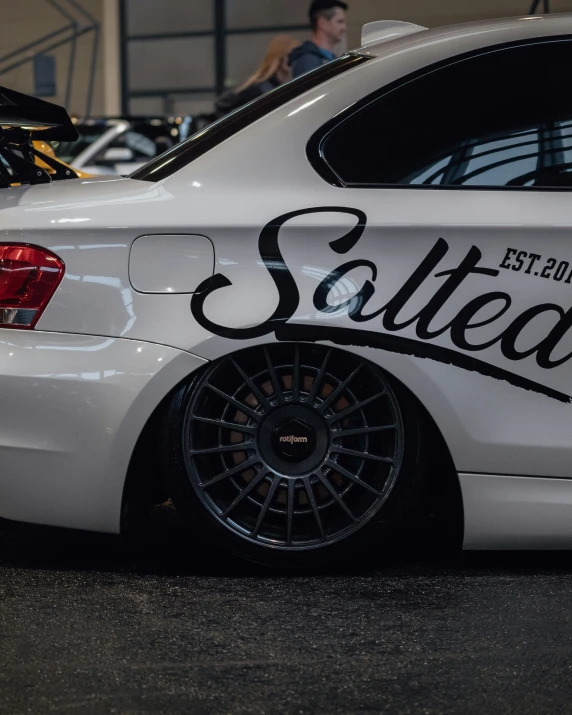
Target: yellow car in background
[45,149]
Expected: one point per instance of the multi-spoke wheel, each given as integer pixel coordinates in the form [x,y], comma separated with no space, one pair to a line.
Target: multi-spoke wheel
[289,449]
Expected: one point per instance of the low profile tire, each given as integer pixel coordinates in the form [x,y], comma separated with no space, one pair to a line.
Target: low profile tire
[292,455]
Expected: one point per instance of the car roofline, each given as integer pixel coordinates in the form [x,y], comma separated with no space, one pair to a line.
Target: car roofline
[377,36]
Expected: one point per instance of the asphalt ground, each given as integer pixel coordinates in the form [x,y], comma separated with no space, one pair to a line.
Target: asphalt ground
[151,624]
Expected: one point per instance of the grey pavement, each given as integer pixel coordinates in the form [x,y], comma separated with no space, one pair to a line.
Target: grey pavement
[155,624]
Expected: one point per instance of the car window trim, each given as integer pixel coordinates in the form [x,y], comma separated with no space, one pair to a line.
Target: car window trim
[315,145]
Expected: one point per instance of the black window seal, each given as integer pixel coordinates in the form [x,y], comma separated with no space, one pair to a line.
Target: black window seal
[315,145]
[183,154]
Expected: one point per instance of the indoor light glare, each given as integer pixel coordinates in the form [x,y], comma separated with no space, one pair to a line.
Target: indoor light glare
[308,104]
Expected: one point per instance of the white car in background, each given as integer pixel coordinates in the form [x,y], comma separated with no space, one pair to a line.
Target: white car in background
[121,145]
[327,314]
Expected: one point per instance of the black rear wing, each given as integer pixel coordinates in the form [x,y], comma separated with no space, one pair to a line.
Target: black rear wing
[24,119]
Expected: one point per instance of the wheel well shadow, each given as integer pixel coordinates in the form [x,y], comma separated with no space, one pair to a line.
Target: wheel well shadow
[443,497]
[441,504]
[145,482]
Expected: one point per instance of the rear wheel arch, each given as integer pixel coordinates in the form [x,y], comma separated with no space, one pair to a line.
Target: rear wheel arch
[146,483]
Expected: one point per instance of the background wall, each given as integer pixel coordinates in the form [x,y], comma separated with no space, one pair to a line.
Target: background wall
[159,55]
[162,53]
[24,21]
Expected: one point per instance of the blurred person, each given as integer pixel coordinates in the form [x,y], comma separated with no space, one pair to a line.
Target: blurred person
[273,72]
[329,26]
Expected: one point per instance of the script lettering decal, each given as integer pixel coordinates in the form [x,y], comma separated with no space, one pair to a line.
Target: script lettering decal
[389,317]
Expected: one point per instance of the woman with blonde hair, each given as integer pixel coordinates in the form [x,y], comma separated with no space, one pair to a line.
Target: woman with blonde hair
[273,72]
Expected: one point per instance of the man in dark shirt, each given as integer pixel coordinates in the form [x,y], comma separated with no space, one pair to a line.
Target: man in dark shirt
[329,26]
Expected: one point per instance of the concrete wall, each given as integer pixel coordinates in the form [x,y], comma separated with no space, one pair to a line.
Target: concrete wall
[22,22]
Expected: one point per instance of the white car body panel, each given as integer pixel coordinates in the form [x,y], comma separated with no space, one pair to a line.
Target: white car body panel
[77,405]
[505,512]
[170,264]
[498,417]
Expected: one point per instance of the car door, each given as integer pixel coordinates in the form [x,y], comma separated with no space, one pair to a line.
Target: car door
[463,176]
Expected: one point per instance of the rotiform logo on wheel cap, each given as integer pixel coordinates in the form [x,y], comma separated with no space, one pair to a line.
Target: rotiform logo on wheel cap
[294,440]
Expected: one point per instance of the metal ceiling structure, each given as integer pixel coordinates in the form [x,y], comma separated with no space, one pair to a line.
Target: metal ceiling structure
[78,22]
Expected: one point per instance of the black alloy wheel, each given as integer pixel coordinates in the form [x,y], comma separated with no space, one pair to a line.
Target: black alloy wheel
[288,449]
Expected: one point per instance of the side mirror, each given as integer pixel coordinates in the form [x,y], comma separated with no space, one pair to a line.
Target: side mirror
[117,154]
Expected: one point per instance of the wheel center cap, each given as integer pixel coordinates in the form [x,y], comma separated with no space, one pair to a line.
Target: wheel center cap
[294,440]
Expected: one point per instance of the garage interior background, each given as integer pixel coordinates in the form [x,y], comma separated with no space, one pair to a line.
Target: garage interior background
[175,56]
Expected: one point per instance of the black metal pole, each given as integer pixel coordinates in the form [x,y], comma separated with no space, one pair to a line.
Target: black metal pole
[35,43]
[73,46]
[124,57]
[92,70]
[62,11]
[220,45]
[83,11]
[70,72]
[15,65]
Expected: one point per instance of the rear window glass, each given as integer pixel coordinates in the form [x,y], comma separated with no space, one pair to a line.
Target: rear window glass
[172,161]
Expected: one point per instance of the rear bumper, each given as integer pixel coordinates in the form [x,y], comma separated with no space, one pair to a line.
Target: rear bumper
[72,408]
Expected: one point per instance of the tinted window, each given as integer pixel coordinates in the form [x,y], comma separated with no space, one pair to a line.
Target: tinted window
[229,125]
[503,119]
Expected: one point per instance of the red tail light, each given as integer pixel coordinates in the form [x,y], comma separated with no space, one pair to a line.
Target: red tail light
[29,276]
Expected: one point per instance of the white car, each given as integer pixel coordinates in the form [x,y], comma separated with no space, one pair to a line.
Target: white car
[121,145]
[326,314]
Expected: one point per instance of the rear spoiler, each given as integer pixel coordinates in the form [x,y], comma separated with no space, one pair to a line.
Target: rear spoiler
[24,119]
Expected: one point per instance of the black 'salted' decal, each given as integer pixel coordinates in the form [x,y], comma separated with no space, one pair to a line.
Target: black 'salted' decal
[459,327]
[289,297]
